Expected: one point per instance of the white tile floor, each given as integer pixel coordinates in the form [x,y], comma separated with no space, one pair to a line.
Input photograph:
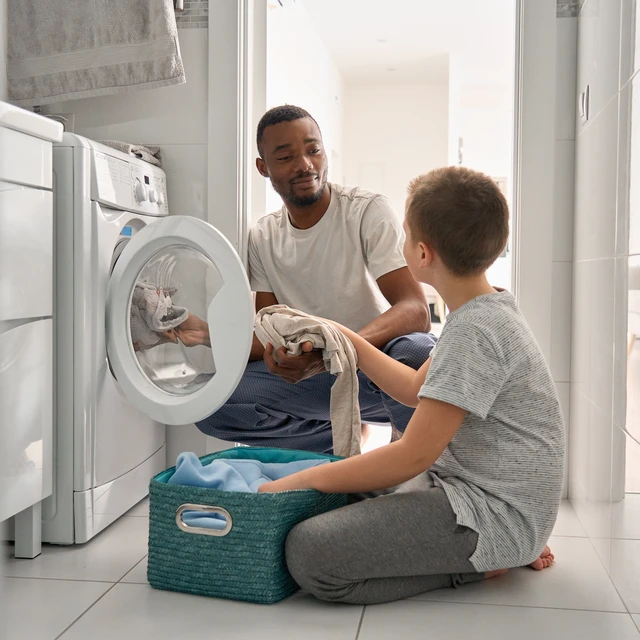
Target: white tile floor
[98,591]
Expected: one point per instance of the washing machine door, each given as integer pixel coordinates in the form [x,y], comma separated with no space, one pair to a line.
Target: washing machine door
[179,320]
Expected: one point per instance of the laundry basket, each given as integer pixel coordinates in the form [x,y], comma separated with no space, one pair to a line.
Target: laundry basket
[243,561]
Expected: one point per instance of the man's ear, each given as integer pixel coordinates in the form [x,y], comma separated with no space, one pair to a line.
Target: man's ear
[262,168]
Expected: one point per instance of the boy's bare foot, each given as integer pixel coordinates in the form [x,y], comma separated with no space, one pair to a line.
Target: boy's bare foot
[545,560]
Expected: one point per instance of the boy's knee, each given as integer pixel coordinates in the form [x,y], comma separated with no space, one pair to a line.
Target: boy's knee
[413,349]
[306,565]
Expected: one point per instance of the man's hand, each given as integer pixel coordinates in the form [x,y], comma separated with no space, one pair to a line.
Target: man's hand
[293,369]
[193,332]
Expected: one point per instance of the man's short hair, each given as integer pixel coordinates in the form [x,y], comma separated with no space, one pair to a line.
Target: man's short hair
[285,113]
[462,215]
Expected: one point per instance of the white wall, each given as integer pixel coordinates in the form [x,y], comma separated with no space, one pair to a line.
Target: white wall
[300,71]
[392,134]
[486,126]
[562,252]
[605,424]
[485,123]
[3,49]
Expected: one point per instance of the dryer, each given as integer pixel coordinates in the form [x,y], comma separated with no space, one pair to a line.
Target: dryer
[112,402]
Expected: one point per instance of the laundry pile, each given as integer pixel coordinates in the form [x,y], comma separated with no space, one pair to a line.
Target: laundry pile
[153,313]
[244,475]
[284,327]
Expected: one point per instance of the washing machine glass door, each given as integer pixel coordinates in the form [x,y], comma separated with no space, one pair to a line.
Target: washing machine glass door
[179,320]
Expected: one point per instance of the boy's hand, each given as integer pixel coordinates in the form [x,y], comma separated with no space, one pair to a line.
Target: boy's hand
[294,369]
[288,483]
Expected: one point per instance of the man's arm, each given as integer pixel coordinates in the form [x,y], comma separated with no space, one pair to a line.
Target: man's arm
[263,299]
[409,310]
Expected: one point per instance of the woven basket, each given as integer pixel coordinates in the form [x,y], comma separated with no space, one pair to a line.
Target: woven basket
[246,560]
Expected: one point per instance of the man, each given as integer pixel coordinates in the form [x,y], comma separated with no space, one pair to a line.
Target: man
[331,252]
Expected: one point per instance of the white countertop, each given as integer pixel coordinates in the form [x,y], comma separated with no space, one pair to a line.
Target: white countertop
[12,117]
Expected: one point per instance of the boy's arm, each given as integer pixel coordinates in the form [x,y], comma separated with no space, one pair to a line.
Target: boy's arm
[429,431]
[398,380]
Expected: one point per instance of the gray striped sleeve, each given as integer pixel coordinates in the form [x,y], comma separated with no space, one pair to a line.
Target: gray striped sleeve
[465,370]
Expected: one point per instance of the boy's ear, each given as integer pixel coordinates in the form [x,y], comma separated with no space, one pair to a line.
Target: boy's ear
[426,255]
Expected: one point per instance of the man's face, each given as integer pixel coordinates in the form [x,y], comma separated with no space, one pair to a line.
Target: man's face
[295,161]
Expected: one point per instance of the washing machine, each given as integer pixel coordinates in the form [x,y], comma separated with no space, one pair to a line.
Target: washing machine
[113,400]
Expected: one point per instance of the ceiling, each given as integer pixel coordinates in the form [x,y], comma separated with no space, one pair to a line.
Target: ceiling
[411,40]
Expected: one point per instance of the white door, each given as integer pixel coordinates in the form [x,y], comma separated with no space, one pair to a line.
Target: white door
[174,269]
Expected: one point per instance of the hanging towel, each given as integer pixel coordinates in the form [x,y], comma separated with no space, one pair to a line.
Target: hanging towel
[64,49]
[229,475]
[290,328]
[152,155]
[152,311]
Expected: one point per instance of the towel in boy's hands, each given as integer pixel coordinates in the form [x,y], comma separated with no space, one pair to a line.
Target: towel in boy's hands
[229,475]
[290,328]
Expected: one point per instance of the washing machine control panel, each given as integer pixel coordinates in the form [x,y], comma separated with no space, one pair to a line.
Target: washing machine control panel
[135,186]
[149,189]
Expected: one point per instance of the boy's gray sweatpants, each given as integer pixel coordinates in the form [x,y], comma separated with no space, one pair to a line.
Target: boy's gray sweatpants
[390,546]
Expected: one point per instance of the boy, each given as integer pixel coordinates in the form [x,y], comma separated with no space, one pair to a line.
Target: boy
[480,466]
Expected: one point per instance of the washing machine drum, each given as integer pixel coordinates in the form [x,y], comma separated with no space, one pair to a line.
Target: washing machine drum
[179,320]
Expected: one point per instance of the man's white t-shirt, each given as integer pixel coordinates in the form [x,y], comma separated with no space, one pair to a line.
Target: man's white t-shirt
[330,270]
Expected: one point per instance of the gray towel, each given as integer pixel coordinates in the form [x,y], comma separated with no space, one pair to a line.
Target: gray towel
[290,328]
[152,155]
[152,311]
[64,49]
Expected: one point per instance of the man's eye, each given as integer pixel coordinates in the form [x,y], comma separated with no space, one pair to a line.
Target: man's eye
[316,151]
[284,158]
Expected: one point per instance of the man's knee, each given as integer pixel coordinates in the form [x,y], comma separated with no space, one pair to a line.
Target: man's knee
[216,428]
[413,349]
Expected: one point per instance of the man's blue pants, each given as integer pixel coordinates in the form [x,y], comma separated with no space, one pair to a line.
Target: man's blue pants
[264,410]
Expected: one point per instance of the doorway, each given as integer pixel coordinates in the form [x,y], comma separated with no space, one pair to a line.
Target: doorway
[399,89]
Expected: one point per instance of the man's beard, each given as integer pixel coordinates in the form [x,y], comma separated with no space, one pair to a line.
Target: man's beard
[305,201]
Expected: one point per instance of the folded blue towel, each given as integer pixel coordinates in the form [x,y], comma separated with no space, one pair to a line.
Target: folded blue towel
[229,475]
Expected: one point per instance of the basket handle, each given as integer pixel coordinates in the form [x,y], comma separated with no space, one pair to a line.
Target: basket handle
[205,531]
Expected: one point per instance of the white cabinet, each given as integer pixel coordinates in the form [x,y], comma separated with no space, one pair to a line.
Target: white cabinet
[26,332]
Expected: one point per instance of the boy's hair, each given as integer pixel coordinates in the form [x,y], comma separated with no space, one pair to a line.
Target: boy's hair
[462,215]
[285,113]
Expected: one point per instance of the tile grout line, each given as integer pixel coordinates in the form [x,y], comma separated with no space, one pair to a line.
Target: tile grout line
[85,611]
[624,603]
[522,606]
[58,579]
[364,608]
[130,570]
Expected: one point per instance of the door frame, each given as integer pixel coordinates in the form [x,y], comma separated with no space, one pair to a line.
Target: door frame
[534,111]
[237,94]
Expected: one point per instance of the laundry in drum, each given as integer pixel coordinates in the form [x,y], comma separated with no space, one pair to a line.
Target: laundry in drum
[153,316]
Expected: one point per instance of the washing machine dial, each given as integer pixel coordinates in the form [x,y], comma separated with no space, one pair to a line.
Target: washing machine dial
[160,198]
[152,195]
[141,191]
